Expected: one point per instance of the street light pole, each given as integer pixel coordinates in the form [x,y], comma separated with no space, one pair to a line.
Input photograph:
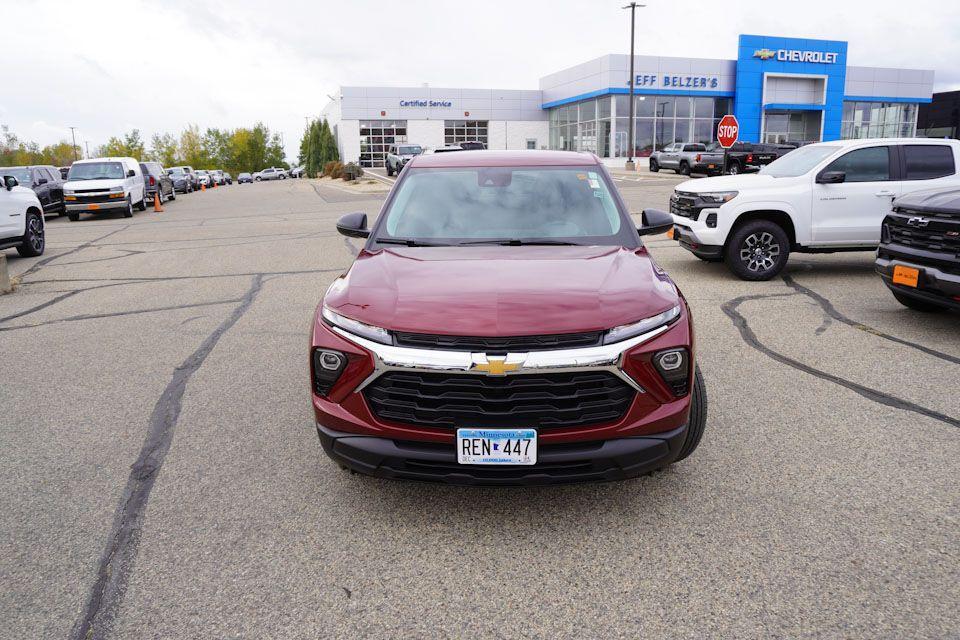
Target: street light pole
[73,135]
[630,166]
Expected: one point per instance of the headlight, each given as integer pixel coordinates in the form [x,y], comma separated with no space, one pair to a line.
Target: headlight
[377,334]
[68,192]
[719,197]
[625,331]
[116,189]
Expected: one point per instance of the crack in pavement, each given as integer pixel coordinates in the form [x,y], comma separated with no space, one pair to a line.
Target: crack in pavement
[44,262]
[117,314]
[748,336]
[118,558]
[831,312]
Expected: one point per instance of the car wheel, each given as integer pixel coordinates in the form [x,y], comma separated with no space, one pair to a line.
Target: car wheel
[33,240]
[173,194]
[916,305]
[654,166]
[142,205]
[757,250]
[734,168]
[259,179]
[698,417]
[684,169]
[73,217]
[128,211]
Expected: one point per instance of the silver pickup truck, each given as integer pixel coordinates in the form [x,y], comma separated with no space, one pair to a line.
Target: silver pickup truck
[682,157]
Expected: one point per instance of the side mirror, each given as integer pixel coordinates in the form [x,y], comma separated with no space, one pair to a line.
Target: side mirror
[9,182]
[131,173]
[655,221]
[831,177]
[353,225]
[42,181]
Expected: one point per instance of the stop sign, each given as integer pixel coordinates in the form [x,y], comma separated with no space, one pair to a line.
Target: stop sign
[728,131]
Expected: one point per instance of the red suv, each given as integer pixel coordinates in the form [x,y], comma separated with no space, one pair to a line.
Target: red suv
[504,324]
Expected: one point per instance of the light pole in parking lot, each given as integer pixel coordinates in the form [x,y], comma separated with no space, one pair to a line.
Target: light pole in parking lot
[633,10]
[73,135]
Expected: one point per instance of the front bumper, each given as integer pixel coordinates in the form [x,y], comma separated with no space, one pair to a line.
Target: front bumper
[120,203]
[936,286]
[692,243]
[616,459]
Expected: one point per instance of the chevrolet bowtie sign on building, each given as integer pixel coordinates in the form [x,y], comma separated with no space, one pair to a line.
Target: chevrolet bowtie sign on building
[795,55]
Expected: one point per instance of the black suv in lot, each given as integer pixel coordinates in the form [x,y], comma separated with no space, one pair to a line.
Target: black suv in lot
[919,254]
[45,181]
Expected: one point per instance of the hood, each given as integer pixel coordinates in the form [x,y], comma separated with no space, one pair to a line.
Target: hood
[505,291]
[98,185]
[931,200]
[731,183]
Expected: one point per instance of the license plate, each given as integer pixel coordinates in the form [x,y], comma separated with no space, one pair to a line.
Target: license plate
[93,206]
[496,446]
[907,276]
[711,166]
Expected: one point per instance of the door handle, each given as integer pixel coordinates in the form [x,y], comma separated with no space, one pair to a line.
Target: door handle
[884,192]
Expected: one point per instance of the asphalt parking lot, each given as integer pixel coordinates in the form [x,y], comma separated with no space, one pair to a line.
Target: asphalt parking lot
[162,478]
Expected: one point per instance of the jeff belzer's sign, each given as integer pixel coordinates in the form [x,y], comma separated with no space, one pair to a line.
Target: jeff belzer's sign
[796,55]
[426,103]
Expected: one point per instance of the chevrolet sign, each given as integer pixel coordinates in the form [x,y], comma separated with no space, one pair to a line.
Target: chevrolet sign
[795,55]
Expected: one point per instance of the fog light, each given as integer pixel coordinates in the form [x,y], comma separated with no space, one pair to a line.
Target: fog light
[671,360]
[673,366]
[712,221]
[327,367]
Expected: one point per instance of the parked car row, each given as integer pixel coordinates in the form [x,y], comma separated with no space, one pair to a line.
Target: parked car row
[687,158]
[899,197]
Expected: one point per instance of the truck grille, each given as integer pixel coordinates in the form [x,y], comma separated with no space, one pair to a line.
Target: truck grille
[684,204]
[939,236]
[528,400]
[494,344]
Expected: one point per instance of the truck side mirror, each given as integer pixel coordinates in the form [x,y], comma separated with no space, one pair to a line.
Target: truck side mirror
[353,225]
[831,177]
[9,182]
[131,173]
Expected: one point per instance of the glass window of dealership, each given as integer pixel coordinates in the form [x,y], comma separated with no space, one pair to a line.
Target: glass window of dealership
[601,125]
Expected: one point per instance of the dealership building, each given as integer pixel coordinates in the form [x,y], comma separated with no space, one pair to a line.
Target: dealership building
[780,89]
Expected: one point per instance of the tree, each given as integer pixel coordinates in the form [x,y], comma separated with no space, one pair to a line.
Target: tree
[163,149]
[192,151]
[314,150]
[130,145]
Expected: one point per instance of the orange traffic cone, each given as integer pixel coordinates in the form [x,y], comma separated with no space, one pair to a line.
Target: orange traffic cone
[203,186]
[157,207]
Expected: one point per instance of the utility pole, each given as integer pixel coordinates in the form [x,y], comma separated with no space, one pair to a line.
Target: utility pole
[86,145]
[630,166]
[73,135]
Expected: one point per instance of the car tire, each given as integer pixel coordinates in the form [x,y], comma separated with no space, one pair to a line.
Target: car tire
[142,205]
[734,169]
[128,212]
[73,217]
[757,250]
[259,179]
[389,170]
[33,239]
[917,305]
[173,195]
[698,417]
[654,167]
[684,169]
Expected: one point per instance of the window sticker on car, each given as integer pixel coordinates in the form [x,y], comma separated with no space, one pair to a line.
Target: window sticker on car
[594,181]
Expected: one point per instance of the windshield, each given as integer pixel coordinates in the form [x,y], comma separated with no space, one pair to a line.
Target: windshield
[176,170]
[796,163]
[411,151]
[22,174]
[481,205]
[96,171]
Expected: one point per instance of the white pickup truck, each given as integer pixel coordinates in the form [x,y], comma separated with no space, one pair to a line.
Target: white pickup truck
[821,198]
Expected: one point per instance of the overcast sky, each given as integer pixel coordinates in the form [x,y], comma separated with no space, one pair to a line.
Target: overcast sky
[108,67]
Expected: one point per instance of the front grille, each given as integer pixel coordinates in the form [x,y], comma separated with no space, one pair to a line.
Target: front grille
[684,204]
[497,343]
[517,401]
[933,238]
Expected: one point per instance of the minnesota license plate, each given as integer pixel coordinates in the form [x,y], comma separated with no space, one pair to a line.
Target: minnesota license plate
[93,206]
[709,166]
[496,446]
[907,276]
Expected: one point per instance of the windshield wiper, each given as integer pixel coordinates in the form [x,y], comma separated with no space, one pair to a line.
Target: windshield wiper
[517,242]
[410,242]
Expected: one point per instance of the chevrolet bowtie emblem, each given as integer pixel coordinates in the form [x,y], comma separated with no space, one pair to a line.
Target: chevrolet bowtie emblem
[764,54]
[495,366]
